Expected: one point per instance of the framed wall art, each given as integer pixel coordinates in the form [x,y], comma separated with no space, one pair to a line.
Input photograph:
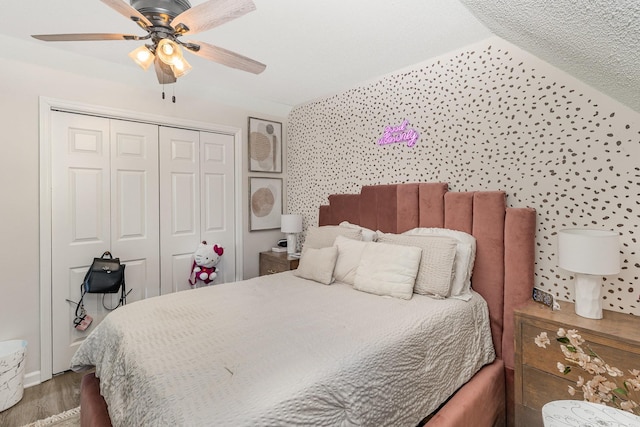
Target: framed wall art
[265,146]
[265,203]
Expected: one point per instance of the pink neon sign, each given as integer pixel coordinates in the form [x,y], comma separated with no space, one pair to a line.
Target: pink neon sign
[400,133]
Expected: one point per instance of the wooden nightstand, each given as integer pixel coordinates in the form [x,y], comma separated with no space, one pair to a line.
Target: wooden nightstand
[276,262]
[615,338]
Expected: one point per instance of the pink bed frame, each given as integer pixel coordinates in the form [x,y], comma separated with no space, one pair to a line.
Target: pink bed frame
[503,275]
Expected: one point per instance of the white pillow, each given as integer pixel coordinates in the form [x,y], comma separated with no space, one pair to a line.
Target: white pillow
[322,237]
[387,269]
[368,235]
[317,264]
[349,255]
[436,265]
[465,258]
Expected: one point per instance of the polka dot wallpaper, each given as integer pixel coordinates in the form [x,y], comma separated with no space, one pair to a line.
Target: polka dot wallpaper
[490,117]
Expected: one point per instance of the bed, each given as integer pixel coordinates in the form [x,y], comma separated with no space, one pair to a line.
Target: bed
[348,371]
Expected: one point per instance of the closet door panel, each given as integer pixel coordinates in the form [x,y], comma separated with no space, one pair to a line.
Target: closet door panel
[135,234]
[80,194]
[179,206]
[218,221]
[183,204]
[214,219]
[86,199]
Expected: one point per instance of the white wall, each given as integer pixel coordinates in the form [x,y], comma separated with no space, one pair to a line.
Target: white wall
[23,82]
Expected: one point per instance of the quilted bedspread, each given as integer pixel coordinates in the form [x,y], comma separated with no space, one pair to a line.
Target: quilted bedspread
[280,350]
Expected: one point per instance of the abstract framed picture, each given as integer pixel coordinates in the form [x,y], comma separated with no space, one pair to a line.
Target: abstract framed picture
[265,146]
[265,203]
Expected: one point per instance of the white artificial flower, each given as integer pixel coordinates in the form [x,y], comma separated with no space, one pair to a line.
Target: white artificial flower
[628,405]
[542,340]
[612,371]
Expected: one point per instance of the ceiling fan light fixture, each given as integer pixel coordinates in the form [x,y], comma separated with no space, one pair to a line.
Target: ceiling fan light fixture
[142,56]
[169,52]
[165,21]
[180,68]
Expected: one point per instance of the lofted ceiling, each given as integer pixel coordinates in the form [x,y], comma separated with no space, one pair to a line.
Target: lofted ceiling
[596,41]
[315,49]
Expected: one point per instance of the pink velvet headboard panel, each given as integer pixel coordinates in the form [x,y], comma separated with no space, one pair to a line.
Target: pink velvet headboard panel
[488,271]
[346,207]
[519,251]
[519,230]
[431,204]
[458,211]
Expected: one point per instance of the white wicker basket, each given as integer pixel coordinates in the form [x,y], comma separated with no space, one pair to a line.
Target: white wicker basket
[12,361]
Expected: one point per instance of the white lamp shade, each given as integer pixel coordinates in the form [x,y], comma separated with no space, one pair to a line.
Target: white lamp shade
[142,56]
[589,251]
[180,67]
[168,51]
[291,224]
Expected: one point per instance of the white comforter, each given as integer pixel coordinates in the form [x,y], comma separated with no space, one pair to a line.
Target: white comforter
[280,350]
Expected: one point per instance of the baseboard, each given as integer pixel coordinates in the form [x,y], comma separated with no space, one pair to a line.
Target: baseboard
[31,379]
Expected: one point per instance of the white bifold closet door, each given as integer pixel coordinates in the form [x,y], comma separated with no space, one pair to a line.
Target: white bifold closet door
[104,198]
[196,203]
[149,194]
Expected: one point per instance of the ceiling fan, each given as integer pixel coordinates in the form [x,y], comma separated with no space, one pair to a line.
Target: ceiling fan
[165,21]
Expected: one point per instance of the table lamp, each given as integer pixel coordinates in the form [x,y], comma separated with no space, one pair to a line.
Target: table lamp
[590,254]
[291,225]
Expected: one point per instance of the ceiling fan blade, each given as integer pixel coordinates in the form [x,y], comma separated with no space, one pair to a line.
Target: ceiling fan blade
[163,72]
[83,37]
[212,14]
[228,58]
[127,11]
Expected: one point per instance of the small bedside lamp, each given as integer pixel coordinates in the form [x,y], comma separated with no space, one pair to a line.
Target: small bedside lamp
[291,225]
[590,254]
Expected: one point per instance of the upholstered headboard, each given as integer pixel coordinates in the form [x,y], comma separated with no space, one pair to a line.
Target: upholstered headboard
[505,238]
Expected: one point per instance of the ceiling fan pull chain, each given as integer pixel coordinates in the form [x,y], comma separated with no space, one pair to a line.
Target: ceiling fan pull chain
[173,97]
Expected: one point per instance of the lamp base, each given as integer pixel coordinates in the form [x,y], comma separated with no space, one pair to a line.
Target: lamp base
[588,296]
[292,243]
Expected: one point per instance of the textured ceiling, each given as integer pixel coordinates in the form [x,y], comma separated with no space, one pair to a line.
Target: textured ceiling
[596,41]
[317,48]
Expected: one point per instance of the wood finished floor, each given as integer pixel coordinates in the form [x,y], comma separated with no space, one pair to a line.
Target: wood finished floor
[59,394]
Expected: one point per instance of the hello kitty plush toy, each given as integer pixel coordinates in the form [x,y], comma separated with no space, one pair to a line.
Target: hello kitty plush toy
[205,259]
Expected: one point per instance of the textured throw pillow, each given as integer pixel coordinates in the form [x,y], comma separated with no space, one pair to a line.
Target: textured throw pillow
[317,264]
[387,269]
[349,255]
[465,258]
[436,265]
[322,237]
[368,235]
